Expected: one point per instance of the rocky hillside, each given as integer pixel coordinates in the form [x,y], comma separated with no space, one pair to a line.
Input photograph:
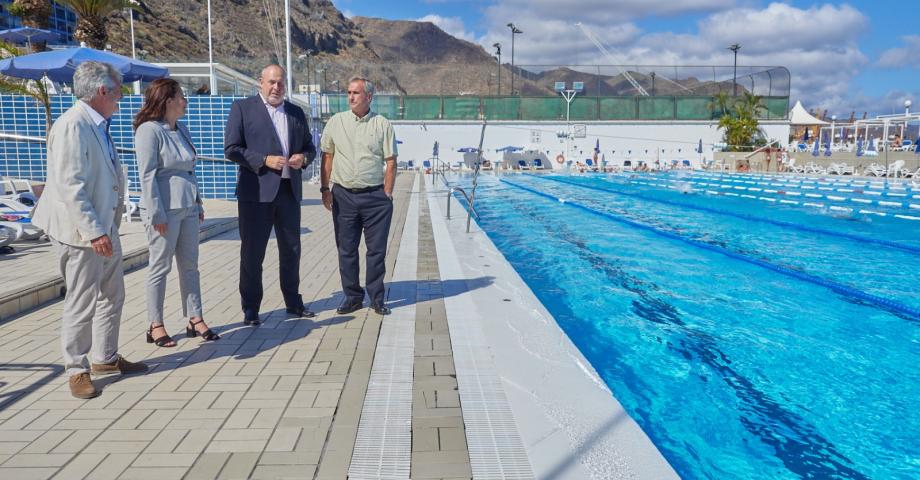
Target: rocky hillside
[407,57]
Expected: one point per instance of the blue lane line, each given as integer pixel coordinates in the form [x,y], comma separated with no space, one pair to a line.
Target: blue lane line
[840,288]
[804,228]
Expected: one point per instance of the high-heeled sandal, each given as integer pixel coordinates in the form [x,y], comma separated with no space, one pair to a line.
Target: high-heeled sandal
[163,341]
[207,335]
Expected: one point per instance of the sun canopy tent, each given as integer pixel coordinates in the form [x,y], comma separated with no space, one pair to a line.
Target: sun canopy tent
[798,116]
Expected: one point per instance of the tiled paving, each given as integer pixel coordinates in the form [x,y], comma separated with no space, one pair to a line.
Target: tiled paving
[279,401]
[439,447]
[31,276]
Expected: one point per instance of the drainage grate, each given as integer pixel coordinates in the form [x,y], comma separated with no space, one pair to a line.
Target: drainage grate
[495,446]
[383,446]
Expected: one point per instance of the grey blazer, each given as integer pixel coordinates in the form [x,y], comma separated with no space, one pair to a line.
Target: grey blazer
[84,192]
[166,169]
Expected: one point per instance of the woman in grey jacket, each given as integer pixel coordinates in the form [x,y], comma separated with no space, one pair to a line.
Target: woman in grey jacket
[170,206]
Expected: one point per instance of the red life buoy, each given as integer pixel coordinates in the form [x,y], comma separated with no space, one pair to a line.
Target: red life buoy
[560,159]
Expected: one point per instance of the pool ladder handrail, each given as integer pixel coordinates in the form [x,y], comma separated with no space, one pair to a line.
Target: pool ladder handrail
[471,197]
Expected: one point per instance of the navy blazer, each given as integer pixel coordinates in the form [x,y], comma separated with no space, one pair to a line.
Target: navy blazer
[250,136]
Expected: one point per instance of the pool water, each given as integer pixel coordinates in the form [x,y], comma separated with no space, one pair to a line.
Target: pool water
[713,321]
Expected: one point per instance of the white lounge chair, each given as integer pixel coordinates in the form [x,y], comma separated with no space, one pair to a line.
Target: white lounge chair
[7,236]
[909,174]
[875,170]
[894,170]
[812,167]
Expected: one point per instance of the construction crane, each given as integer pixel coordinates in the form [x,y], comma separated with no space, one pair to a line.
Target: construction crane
[614,62]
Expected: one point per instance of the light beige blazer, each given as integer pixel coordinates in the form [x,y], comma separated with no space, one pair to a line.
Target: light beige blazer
[84,191]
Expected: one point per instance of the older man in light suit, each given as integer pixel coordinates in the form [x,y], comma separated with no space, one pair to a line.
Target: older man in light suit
[80,210]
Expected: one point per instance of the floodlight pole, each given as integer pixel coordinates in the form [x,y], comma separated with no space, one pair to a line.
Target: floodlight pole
[734,48]
[287,42]
[498,51]
[514,31]
[212,82]
[137,84]
[568,95]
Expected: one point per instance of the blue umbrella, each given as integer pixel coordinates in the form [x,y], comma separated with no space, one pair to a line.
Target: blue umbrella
[699,148]
[28,35]
[434,151]
[59,65]
[597,146]
[509,148]
[827,146]
[917,146]
[467,150]
[859,149]
[815,150]
[399,142]
[805,138]
[871,147]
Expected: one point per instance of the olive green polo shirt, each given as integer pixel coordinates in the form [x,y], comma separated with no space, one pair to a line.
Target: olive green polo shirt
[359,146]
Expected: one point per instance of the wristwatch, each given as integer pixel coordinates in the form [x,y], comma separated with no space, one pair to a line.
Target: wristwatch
[323,189]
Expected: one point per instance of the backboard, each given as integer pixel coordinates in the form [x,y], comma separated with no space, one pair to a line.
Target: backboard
[579,130]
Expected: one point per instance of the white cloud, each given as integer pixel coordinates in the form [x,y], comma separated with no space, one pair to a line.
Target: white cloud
[348,14]
[817,44]
[901,57]
[451,25]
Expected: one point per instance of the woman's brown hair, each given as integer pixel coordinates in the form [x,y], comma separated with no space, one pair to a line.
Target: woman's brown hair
[155,97]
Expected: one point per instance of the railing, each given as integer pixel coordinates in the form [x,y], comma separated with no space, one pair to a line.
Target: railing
[31,139]
[583,108]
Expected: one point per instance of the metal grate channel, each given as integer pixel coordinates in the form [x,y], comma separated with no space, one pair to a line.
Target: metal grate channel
[383,446]
[495,446]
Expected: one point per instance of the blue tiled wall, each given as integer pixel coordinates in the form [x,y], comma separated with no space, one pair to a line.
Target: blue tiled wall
[206,118]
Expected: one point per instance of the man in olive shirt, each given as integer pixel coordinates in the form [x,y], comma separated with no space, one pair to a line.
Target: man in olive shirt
[356,145]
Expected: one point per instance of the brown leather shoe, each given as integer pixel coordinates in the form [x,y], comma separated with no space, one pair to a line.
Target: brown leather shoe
[119,366]
[81,386]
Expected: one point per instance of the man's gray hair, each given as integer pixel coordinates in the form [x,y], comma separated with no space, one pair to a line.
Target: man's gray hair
[368,85]
[89,76]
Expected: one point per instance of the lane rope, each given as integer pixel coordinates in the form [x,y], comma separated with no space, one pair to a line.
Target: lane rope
[753,218]
[885,303]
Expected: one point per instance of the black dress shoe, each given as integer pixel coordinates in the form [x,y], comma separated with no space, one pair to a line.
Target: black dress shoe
[381,309]
[349,308]
[254,321]
[300,312]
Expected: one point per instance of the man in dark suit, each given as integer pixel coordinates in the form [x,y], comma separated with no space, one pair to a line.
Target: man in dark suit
[269,138]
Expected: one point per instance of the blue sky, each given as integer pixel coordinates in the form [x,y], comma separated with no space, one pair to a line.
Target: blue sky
[859,55]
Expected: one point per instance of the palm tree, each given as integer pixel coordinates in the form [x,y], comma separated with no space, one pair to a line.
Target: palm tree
[33,13]
[739,118]
[91,18]
[34,89]
[720,104]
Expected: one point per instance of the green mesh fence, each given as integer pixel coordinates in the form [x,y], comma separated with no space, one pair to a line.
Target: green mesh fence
[656,108]
[388,106]
[501,108]
[777,107]
[694,108]
[422,108]
[397,107]
[617,108]
[582,108]
[461,108]
[336,103]
[542,108]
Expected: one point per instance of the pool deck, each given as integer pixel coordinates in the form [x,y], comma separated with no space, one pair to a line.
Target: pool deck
[470,377]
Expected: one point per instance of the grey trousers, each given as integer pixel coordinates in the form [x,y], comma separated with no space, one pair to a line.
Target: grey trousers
[92,305]
[181,241]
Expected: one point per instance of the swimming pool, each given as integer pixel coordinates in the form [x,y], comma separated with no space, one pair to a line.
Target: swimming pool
[749,339]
